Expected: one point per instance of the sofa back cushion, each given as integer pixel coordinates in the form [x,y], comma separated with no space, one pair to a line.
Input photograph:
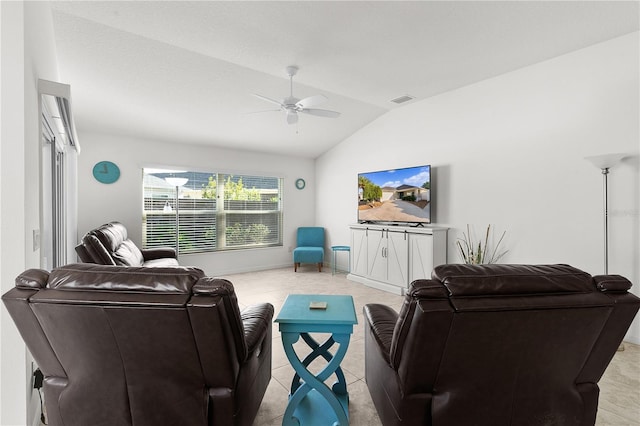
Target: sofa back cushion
[128,254]
[123,341]
[505,343]
[110,245]
[111,235]
[119,356]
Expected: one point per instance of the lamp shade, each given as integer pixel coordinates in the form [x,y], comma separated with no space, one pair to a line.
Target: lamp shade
[176,181]
[605,161]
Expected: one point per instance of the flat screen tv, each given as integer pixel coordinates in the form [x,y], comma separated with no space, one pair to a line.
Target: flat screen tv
[395,195]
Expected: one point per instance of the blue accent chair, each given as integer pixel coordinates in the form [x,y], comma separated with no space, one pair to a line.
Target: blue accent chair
[309,247]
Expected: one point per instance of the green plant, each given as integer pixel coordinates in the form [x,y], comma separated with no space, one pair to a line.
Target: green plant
[236,191]
[258,232]
[185,242]
[234,234]
[211,190]
[370,191]
[239,234]
[480,252]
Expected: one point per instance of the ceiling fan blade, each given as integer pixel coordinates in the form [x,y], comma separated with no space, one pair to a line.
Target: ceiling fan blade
[292,117]
[321,112]
[264,98]
[311,101]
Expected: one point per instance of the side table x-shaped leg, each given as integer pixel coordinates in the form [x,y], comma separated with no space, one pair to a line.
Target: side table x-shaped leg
[312,387]
[311,401]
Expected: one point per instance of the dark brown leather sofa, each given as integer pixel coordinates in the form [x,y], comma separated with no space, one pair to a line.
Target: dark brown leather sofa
[143,346]
[496,345]
[110,245]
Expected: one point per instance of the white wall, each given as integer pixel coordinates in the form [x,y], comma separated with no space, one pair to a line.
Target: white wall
[122,201]
[510,151]
[28,53]
[507,151]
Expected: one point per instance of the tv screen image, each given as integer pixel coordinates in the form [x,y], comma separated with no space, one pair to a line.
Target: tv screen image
[395,195]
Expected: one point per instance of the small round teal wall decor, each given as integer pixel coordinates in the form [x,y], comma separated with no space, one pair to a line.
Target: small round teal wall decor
[300,183]
[106,172]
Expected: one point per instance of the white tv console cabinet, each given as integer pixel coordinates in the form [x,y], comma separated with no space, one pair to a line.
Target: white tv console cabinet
[390,257]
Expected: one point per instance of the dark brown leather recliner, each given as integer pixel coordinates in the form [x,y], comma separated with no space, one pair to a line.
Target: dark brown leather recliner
[496,345]
[110,245]
[143,346]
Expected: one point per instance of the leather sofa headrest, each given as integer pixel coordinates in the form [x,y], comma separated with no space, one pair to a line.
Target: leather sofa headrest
[91,277]
[111,235]
[463,280]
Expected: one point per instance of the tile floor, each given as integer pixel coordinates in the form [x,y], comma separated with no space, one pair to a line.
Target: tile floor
[620,387]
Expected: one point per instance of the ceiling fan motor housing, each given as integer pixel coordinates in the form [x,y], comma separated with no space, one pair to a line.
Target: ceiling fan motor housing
[290,102]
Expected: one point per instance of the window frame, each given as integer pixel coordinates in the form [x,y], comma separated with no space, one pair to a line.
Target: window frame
[253,222]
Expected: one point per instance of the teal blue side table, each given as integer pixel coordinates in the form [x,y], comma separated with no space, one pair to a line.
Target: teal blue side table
[334,250]
[311,401]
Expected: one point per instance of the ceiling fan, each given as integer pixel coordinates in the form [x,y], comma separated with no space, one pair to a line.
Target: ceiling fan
[291,106]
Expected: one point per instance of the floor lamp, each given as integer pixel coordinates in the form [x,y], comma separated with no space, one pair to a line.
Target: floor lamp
[177,182]
[604,163]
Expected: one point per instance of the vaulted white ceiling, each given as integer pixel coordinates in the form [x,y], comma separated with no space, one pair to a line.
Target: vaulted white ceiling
[185,71]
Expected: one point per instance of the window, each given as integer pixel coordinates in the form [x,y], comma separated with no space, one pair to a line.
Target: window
[54,204]
[211,211]
[58,172]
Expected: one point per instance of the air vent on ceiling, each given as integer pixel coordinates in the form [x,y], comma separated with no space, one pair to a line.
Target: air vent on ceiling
[402,99]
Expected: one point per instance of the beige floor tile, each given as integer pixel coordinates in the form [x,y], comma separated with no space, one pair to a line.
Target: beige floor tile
[619,403]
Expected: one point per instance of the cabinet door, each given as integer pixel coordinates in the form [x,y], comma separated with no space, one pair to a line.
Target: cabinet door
[377,258]
[421,256]
[397,255]
[359,252]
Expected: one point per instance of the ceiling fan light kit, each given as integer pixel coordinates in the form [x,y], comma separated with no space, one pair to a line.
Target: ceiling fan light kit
[291,105]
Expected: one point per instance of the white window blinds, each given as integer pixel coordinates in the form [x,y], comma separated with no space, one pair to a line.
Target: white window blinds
[211,211]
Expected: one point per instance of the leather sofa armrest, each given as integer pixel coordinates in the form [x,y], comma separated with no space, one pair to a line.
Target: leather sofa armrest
[32,279]
[382,322]
[612,283]
[256,320]
[159,253]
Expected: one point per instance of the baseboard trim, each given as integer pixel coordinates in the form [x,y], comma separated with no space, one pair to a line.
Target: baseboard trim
[377,284]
